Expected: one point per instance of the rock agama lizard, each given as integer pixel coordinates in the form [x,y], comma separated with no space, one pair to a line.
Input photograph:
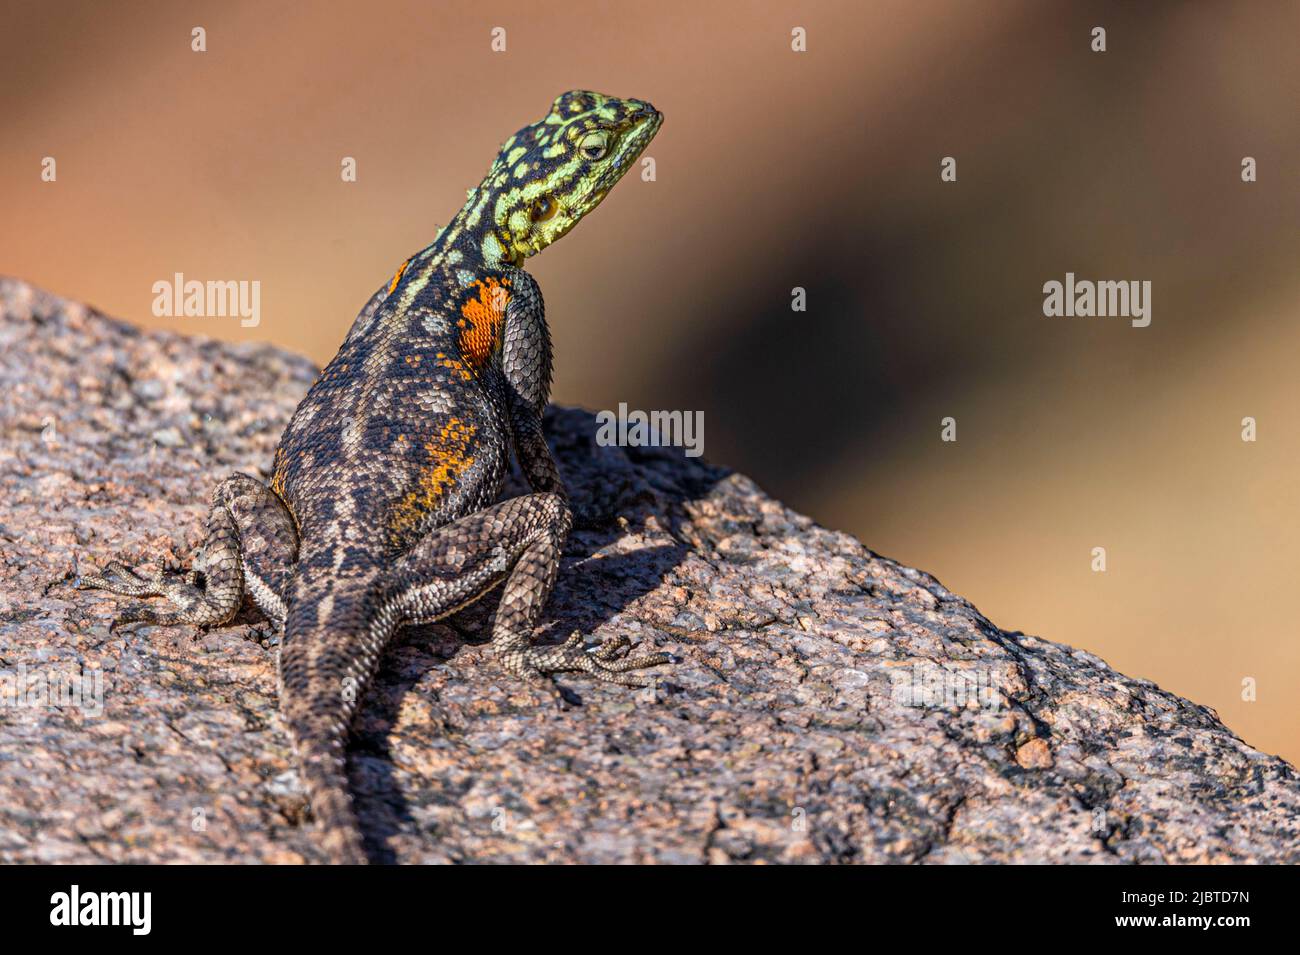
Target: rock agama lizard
[380,510]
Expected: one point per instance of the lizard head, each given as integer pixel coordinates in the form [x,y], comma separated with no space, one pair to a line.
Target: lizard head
[552,173]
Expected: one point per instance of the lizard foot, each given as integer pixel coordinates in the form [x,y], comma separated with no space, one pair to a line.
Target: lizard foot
[611,661]
[191,603]
[119,579]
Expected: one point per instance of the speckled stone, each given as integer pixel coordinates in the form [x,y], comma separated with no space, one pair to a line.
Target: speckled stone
[831,705]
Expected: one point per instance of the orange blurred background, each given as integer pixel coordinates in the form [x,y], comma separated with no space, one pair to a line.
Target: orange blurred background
[778,169]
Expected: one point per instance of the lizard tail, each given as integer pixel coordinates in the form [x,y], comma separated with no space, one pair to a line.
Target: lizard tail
[325,776]
[329,655]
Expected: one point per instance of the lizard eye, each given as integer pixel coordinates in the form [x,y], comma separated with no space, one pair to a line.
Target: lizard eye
[543,209]
[594,146]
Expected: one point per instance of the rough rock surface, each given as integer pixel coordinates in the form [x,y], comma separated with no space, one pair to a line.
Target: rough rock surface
[832,705]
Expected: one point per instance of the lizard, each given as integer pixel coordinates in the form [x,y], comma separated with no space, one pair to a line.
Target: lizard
[382,508]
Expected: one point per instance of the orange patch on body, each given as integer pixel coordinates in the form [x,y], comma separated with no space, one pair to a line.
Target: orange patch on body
[481,320]
[456,365]
[448,460]
[401,269]
[277,485]
[277,477]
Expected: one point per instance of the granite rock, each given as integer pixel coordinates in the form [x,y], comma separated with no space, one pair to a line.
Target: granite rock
[831,705]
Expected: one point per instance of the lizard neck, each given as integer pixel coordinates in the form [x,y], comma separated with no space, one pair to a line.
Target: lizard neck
[470,242]
[475,232]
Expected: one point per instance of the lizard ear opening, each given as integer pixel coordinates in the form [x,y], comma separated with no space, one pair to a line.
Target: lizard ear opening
[543,208]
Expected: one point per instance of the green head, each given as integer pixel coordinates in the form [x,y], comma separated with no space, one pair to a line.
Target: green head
[552,173]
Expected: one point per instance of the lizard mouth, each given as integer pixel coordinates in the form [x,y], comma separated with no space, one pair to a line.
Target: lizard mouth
[647,126]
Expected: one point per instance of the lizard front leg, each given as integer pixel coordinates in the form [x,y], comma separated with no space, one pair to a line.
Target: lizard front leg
[526,367]
[250,547]
[526,591]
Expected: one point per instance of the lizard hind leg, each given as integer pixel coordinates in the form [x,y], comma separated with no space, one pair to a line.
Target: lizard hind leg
[250,540]
[516,543]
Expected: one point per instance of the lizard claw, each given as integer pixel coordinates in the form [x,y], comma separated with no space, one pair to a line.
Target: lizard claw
[611,649]
[117,578]
[611,661]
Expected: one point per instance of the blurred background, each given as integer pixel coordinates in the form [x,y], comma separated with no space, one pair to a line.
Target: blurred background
[778,169]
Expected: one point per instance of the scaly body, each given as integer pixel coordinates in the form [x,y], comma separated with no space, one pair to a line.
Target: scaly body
[380,508]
